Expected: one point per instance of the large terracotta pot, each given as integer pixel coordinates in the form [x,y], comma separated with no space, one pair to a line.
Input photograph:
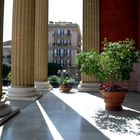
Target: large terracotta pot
[113,100]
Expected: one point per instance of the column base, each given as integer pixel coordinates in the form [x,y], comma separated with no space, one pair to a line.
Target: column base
[6,112]
[4,109]
[42,86]
[23,94]
[89,87]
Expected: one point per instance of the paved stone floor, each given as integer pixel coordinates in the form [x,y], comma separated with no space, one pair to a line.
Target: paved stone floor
[73,116]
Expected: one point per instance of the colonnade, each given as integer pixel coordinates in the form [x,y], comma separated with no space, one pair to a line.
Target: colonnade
[30,47]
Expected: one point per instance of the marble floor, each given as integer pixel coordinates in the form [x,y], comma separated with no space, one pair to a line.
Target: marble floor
[73,116]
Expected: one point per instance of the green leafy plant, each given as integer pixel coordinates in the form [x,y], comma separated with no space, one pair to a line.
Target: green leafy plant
[65,84]
[53,80]
[113,65]
[64,80]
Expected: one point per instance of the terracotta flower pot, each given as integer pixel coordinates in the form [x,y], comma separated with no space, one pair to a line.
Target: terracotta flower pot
[113,100]
[65,89]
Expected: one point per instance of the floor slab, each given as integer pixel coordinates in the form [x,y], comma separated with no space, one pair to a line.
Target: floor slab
[77,116]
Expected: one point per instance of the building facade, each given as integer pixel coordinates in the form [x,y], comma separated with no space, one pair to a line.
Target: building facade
[64,44]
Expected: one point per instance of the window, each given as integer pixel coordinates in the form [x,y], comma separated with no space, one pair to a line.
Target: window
[68,52]
[68,33]
[69,42]
[62,52]
[55,52]
[65,52]
[55,32]
[68,62]
[55,61]
[55,42]
[59,52]
[65,41]
[62,62]
[61,33]
[61,42]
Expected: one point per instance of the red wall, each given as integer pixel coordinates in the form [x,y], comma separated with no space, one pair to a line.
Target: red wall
[119,20]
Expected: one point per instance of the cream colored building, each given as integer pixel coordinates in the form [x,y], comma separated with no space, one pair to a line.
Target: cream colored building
[64,44]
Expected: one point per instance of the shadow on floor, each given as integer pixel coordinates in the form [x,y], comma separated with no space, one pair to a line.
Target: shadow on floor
[125,121]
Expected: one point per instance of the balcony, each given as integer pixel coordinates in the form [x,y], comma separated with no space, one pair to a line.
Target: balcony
[62,36]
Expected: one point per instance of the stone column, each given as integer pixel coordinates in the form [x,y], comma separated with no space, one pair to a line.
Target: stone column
[41,45]
[4,108]
[90,40]
[22,83]
[138,86]
[134,82]
[1,41]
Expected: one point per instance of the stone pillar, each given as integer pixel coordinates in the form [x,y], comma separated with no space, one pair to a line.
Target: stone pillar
[4,109]
[41,45]
[22,82]
[139,24]
[134,82]
[1,41]
[90,40]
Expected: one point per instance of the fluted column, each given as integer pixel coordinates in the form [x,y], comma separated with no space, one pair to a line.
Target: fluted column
[1,41]
[22,83]
[90,39]
[4,108]
[41,45]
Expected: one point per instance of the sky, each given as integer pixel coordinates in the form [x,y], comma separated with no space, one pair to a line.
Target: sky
[7,20]
[59,10]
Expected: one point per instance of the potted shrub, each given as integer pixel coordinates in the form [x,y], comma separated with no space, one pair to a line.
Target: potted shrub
[65,84]
[53,80]
[112,67]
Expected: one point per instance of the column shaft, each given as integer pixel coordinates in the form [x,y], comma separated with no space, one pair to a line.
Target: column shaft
[1,41]
[41,44]
[90,37]
[4,108]
[22,84]
[90,25]
[23,43]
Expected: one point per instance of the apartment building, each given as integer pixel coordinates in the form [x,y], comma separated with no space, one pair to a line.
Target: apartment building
[64,44]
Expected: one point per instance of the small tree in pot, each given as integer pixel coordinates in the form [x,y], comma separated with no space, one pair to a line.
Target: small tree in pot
[53,80]
[65,84]
[111,67]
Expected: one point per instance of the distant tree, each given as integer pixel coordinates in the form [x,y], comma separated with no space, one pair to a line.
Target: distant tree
[5,70]
[53,69]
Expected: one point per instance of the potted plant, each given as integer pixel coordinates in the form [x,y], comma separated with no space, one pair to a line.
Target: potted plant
[53,80]
[112,67]
[65,84]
